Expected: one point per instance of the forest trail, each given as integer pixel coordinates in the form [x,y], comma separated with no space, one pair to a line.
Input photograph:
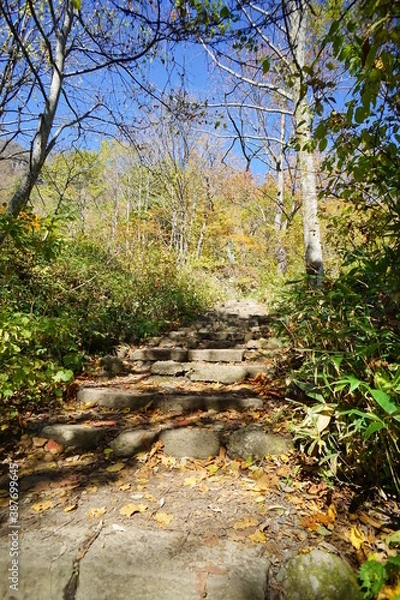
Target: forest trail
[174,479]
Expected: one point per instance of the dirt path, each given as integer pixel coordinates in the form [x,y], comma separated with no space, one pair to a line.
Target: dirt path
[175,479]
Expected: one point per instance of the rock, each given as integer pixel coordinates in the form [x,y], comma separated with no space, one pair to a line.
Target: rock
[319,576]
[129,443]
[79,436]
[113,398]
[218,373]
[188,441]
[112,366]
[122,351]
[252,344]
[253,441]
[169,367]
[220,355]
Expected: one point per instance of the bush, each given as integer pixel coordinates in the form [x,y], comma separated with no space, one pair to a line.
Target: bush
[346,342]
[61,299]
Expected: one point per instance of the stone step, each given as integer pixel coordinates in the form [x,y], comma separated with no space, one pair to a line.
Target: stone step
[114,398]
[182,355]
[212,373]
[175,402]
[125,562]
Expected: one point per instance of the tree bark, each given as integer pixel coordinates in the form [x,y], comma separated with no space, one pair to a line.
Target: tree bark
[298,27]
[41,145]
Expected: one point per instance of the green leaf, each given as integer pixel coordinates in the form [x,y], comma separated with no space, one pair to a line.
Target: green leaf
[77,4]
[266,64]
[323,144]
[361,114]
[373,428]
[64,376]
[224,13]
[372,576]
[384,401]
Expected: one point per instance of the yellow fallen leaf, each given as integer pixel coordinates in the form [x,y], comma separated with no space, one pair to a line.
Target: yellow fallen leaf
[125,487]
[41,506]
[115,467]
[94,513]
[163,519]
[258,537]
[332,512]
[204,488]
[190,481]
[212,469]
[245,522]
[130,509]
[356,538]
[71,507]
[92,489]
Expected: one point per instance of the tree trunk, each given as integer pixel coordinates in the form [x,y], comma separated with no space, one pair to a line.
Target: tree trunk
[41,145]
[298,26]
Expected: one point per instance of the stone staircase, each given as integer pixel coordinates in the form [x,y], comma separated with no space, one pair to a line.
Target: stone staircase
[164,479]
[220,352]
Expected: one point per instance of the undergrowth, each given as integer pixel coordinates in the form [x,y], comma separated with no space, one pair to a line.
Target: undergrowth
[345,339]
[62,298]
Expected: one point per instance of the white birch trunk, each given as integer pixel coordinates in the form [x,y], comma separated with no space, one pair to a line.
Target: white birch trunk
[312,238]
[41,145]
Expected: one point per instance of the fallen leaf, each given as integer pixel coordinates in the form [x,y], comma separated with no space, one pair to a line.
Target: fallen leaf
[53,447]
[258,537]
[212,469]
[163,519]
[356,538]
[246,522]
[94,513]
[130,509]
[190,481]
[115,467]
[39,442]
[42,506]
[125,487]
[71,507]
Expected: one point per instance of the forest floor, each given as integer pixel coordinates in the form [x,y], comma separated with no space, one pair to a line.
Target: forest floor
[162,523]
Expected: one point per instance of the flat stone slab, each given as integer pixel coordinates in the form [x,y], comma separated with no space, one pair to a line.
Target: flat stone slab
[113,398]
[183,404]
[218,373]
[169,367]
[253,441]
[132,563]
[129,443]
[190,441]
[154,354]
[78,436]
[217,355]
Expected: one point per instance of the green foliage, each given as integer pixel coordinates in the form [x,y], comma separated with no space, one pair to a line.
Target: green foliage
[374,575]
[347,334]
[62,298]
[346,345]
